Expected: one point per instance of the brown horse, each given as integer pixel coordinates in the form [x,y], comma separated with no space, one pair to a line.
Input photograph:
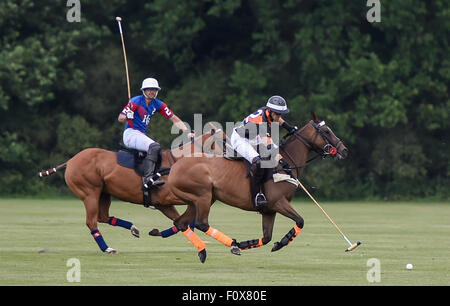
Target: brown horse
[200,181]
[94,175]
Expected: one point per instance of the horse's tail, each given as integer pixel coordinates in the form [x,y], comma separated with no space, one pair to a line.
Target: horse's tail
[52,170]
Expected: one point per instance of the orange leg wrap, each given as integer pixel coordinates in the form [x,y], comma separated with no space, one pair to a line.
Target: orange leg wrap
[219,236]
[287,239]
[194,239]
[260,243]
[296,232]
[250,244]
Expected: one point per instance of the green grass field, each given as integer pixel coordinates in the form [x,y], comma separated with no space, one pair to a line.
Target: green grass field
[393,233]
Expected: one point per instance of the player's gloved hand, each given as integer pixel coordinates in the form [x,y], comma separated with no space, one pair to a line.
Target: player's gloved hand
[291,129]
[129,113]
[283,163]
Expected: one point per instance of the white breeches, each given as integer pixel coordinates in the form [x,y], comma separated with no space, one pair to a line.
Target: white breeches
[244,146]
[135,139]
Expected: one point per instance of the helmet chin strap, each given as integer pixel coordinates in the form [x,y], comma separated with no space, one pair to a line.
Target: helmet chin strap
[272,112]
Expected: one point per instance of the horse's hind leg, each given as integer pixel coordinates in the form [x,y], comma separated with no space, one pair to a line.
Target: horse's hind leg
[88,185]
[91,204]
[285,208]
[104,217]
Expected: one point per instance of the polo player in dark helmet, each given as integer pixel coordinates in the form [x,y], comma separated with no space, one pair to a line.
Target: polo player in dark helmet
[244,142]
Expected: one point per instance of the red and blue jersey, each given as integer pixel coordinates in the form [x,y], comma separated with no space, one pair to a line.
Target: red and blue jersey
[144,113]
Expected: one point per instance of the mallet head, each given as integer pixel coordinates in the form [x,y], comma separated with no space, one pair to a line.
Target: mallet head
[353,246]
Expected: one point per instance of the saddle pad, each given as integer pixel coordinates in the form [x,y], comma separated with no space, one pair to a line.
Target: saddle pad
[125,159]
[279,177]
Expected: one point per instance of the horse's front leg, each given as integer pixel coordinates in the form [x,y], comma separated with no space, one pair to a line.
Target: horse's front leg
[203,206]
[284,207]
[169,211]
[268,220]
[182,224]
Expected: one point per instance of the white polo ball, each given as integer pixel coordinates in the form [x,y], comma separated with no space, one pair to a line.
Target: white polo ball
[409,266]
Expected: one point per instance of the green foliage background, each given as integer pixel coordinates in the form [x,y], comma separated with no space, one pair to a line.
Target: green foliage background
[383,87]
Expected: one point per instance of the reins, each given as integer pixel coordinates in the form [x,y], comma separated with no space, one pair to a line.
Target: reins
[321,152]
[297,166]
[193,141]
[297,136]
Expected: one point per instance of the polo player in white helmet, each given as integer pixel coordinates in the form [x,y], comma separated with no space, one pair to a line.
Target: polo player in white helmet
[137,114]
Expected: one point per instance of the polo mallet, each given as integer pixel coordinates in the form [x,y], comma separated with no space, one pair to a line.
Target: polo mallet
[119,20]
[352,246]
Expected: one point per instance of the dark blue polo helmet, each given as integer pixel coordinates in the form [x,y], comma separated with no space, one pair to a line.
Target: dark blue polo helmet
[277,105]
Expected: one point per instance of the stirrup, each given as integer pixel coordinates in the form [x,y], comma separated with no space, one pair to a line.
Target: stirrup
[260,200]
[151,183]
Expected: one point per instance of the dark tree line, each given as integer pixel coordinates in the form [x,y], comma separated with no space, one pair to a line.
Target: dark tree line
[381,86]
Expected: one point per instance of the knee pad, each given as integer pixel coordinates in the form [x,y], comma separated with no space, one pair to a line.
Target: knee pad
[256,166]
[153,151]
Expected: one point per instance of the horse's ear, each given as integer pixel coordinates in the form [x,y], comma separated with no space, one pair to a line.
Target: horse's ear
[314,117]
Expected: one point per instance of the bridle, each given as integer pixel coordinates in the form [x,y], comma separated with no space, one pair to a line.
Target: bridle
[330,148]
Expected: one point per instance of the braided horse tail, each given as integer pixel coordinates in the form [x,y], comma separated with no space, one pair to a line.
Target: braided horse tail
[52,170]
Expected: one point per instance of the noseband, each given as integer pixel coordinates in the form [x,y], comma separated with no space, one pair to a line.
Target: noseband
[330,147]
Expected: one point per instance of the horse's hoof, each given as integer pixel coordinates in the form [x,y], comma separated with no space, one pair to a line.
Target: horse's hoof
[202,255]
[154,232]
[110,251]
[235,250]
[276,246]
[134,231]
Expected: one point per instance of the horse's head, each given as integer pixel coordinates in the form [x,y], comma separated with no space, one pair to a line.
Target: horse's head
[320,138]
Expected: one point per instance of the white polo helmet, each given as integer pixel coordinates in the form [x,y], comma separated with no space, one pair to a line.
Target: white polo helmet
[150,83]
[277,105]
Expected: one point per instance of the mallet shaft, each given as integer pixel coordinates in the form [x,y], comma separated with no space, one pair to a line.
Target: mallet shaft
[352,246]
[124,55]
[348,241]
[326,215]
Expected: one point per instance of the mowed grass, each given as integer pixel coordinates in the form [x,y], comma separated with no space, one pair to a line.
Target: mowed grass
[38,237]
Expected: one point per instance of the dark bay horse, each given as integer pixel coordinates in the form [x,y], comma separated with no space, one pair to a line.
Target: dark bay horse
[94,176]
[200,181]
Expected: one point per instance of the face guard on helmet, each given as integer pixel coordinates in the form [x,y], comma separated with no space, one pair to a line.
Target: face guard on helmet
[150,83]
[277,105]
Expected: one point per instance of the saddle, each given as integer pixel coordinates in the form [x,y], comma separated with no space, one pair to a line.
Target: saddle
[132,159]
[267,174]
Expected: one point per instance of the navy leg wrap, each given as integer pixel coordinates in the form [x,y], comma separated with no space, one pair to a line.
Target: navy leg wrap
[119,222]
[99,239]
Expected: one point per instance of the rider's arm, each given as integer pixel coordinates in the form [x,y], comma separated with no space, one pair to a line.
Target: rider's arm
[180,124]
[287,126]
